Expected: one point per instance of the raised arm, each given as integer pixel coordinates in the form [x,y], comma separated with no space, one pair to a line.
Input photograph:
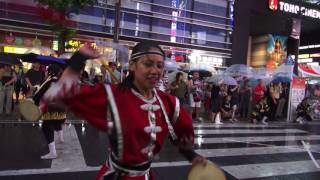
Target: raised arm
[86,100]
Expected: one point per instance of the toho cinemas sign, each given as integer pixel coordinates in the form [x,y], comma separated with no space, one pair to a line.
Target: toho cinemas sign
[294,8]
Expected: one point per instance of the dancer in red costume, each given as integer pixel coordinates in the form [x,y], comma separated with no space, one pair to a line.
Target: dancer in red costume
[136,116]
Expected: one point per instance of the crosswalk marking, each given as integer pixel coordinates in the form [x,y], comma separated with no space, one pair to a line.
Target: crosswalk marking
[70,152]
[209,153]
[270,169]
[247,131]
[201,140]
[246,125]
[253,151]
[72,159]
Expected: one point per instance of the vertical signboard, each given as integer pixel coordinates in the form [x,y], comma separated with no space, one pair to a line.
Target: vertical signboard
[297,94]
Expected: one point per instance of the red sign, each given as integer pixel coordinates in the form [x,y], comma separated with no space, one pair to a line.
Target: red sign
[298,83]
[273,5]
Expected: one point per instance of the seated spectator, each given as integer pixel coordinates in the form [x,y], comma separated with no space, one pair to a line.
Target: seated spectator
[226,109]
[261,112]
[303,111]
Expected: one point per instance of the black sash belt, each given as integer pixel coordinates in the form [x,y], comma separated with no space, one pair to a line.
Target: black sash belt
[118,169]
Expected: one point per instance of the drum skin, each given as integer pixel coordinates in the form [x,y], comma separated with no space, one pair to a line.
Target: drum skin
[209,172]
[29,110]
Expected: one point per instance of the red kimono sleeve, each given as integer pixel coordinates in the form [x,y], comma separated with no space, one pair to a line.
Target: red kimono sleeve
[90,103]
[183,126]
[184,129]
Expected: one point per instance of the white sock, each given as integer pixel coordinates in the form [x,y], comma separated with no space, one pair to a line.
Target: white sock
[264,120]
[60,136]
[52,152]
[218,119]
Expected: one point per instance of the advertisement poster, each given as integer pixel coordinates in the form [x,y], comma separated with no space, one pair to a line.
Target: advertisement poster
[297,93]
[276,51]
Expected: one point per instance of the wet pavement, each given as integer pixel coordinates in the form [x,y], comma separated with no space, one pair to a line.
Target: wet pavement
[242,150]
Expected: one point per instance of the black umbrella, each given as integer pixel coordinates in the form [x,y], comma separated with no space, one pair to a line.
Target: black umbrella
[43,60]
[9,59]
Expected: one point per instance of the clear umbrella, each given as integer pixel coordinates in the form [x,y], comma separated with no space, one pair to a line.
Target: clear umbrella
[172,76]
[239,70]
[222,78]
[170,65]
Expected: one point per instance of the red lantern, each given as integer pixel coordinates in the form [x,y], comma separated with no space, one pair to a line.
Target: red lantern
[27,41]
[9,39]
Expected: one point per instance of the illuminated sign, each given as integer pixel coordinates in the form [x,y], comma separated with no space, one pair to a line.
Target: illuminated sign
[72,45]
[15,50]
[303,56]
[55,45]
[296,9]
[307,60]
[310,46]
[315,55]
[273,5]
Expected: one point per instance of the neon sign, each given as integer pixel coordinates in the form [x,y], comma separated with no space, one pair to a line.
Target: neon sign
[294,9]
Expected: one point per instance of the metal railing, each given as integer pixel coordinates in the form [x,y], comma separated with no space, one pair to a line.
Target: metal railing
[186,37]
[195,12]
[168,19]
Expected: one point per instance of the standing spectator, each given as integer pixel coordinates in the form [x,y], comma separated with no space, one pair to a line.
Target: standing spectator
[207,100]
[273,98]
[34,78]
[105,76]
[245,96]
[179,88]
[115,77]
[259,91]
[283,101]
[234,93]
[163,83]
[218,93]
[8,78]
[195,87]
[19,83]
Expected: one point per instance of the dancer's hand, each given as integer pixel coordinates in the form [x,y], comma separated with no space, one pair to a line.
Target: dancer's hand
[186,143]
[199,160]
